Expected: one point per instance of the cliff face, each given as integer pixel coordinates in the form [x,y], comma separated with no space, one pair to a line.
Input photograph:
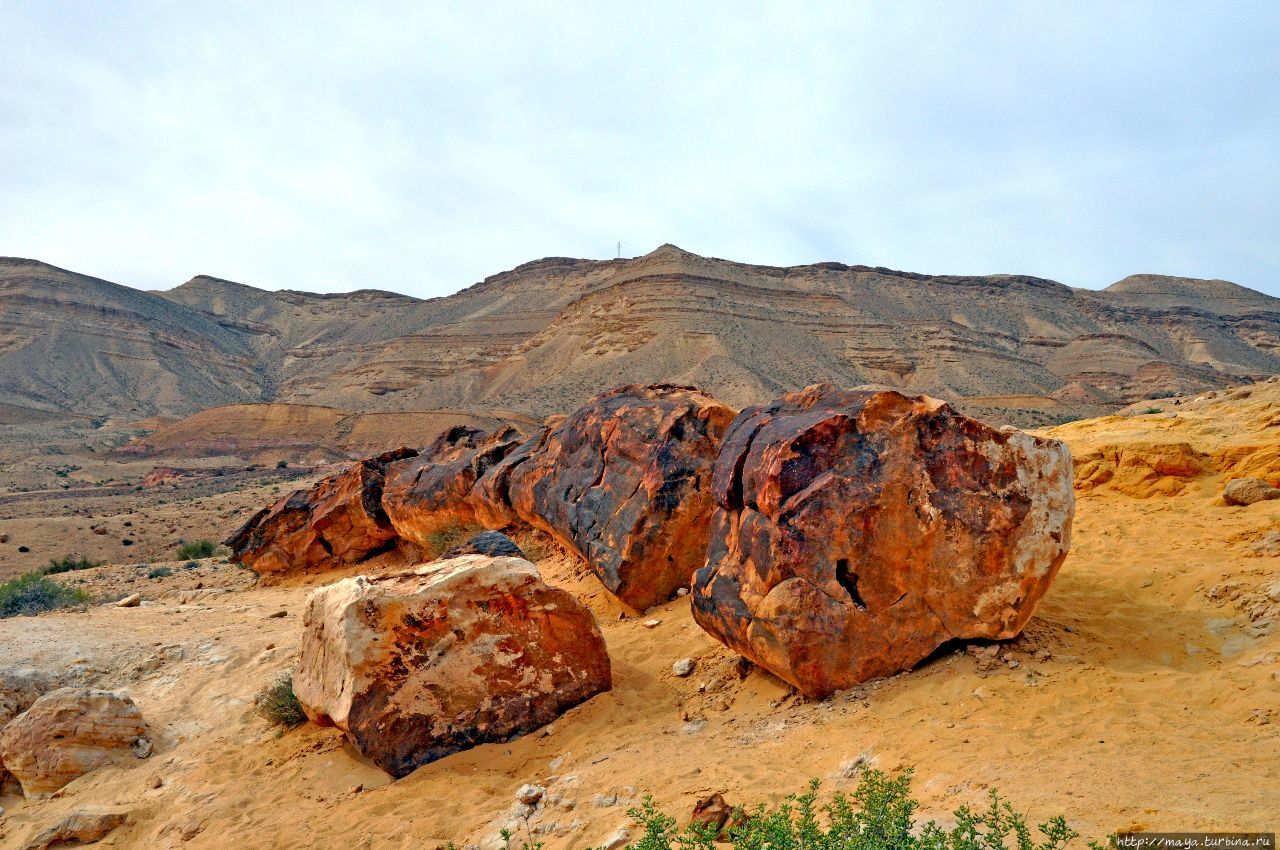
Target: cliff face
[547,335]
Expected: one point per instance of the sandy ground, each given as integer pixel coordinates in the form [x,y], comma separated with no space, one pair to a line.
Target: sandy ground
[1157,707]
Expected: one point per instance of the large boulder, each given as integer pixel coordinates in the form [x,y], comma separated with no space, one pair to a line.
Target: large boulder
[1248,491]
[625,481]
[857,531]
[434,490]
[424,663]
[65,734]
[339,521]
[19,689]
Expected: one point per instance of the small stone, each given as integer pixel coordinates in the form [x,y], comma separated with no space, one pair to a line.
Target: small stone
[618,839]
[154,781]
[1146,583]
[142,748]
[568,804]
[130,601]
[684,591]
[530,794]
[693,727]
[355,789]
[604,801]
[277,615]
[683,667]
[652,624]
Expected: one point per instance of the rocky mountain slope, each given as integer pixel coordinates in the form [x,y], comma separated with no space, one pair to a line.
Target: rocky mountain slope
[544,336]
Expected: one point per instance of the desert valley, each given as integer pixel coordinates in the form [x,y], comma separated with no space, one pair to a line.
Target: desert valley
[784,524]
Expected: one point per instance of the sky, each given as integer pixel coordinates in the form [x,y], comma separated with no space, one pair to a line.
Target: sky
[420,147]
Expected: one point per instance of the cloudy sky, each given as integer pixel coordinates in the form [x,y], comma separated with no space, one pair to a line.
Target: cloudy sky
[419,147]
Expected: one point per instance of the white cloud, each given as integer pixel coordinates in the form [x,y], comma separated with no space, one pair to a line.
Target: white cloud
[337,146]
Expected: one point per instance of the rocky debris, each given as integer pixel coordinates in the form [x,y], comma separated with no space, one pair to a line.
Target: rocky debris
[683,667]
[65,734]
[1248,491]
[434,489]
[857,531]
[618,839]
[419,664]
[492,543]
[133,600]
[1266,546]
[80,827]
[338,521]
[625,482]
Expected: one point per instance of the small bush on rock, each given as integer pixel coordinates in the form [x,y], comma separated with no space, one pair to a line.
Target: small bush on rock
[33,594]
[279,705]
[197,549]
[160,572]
[879,815]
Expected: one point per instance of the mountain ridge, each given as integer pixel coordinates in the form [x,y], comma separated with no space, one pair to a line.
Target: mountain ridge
[547,334]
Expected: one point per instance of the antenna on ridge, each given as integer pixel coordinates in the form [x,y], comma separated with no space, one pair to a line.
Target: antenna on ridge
[619,250]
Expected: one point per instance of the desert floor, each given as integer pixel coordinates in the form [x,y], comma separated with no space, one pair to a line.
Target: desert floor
[1156,707]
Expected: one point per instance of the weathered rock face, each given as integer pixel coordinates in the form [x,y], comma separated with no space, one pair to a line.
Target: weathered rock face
[434,490]
[625,481]
[338,521]
[424,663]
[67,733]
[857,531]
[1247,491]
[19,688]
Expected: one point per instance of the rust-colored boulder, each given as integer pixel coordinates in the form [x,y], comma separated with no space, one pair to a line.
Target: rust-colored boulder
[857,531]
[65,734]
[338,521]
[491,495]
[424,663]
[433,490]
[492,543]
[625,481]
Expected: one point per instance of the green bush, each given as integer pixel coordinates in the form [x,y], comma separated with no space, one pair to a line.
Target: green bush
[879,815]
[197,549]
[444,539]
[69,563]
[159,572]
[282,464]
[34,593]
[191,565]
[279,705]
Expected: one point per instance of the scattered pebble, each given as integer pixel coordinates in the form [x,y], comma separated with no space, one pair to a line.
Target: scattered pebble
[652,624]
[683,667]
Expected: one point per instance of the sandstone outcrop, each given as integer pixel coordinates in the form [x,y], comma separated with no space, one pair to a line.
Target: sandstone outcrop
[625,481]
[338,521]
[65,734]
[424,663]
[1142,469]
[434,490]
[19,688]
[1248,491]
[857,531]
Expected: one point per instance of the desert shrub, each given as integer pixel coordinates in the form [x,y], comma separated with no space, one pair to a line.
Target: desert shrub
[159,572]
[191,565]
[534,545]
[197,549]
[282,464]
[278,703]
[69,563]
[1150,410]
[444,539]
[34,593]
[879,815]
